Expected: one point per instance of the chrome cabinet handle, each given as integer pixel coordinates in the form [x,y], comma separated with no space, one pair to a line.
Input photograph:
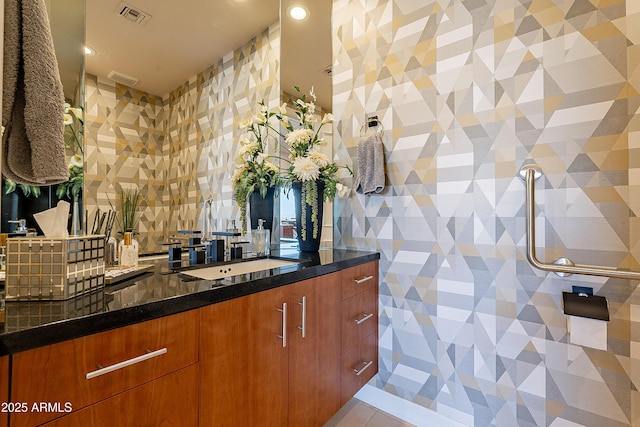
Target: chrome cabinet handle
[283,337]
[364,368]
[303,328]
[364,279]
[363,318]
[124,364]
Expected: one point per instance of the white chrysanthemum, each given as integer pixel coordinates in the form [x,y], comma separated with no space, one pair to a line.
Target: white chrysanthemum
[318,158]
[238,173]
[342,191]
[310,118]
[239,162]
[271,166]
[305,169]
[328,118]
[248,149]
[299,137]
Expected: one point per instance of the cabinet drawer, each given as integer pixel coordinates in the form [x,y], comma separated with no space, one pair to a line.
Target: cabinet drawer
[359,278]
[92,368]
[169,401]
[359,317]
[358,365]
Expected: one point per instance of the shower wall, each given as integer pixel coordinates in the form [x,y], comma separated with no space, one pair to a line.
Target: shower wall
[468,92]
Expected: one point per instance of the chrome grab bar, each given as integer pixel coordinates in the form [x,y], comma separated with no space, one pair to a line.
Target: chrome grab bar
[529,173]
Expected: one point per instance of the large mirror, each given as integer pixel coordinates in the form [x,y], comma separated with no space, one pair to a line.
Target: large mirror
[165,87]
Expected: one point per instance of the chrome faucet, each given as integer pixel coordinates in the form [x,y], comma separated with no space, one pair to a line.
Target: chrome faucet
[22,225]
[208,216]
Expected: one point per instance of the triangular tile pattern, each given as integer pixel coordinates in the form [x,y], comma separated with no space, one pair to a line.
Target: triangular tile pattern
[179,151]
[468,92]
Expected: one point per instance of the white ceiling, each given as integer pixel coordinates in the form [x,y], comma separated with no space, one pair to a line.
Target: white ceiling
[184,37]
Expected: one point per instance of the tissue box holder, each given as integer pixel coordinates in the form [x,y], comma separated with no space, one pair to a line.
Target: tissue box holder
[43,268]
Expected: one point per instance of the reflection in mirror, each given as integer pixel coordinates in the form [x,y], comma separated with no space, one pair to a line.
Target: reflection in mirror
[306,63]
[21,202]
[164,101]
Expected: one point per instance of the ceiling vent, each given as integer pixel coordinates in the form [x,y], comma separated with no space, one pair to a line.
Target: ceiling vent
[122,78]
[132,13]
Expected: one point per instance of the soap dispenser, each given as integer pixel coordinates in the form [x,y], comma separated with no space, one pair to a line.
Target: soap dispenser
[128,251]
[259,239]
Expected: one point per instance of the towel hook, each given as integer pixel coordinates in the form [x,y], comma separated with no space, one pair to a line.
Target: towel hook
[372,122]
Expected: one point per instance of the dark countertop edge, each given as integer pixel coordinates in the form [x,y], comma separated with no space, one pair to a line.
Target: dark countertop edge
[64,330]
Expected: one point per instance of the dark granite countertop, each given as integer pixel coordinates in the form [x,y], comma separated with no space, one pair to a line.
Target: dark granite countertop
[157,293]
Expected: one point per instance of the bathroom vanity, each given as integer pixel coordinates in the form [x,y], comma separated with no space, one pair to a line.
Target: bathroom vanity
[4,389]
[284,346]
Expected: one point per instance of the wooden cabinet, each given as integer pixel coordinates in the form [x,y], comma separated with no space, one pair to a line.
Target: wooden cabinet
[243,364]
[4,389]
[314,350]
[171,400]
[80,372]
[291,355]
[359,324]
[272,358]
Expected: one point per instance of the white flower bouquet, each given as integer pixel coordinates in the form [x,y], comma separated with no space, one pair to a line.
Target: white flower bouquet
[308,166]
[254,169]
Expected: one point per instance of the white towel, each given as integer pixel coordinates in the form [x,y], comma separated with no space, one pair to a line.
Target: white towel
[33,99]
[371,176]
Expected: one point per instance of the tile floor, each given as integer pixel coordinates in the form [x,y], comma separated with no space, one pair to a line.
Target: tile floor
[359,414]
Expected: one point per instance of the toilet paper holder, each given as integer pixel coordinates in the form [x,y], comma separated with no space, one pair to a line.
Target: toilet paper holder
[584,305]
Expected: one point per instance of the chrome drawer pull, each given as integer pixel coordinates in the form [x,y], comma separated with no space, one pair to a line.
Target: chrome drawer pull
[364,317]
[303,328]
[283,337]
[364,279]
[364,368]
[120,365]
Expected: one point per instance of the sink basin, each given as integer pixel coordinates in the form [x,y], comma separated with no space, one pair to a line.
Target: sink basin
[228,270]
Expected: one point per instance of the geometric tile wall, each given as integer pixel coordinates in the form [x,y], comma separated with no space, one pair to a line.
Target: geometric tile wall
[203,117]
[124,139]
[179,150]
[468,92]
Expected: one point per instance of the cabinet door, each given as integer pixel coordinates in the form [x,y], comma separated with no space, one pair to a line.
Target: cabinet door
[4,388]
[169,401]
[314,350]
[243,361]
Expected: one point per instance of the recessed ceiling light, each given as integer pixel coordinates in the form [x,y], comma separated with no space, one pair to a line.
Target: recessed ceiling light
[299,13]
[88,50]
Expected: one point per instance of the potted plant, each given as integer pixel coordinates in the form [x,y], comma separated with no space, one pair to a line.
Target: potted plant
[310,173]
[129,207]
[256,177]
